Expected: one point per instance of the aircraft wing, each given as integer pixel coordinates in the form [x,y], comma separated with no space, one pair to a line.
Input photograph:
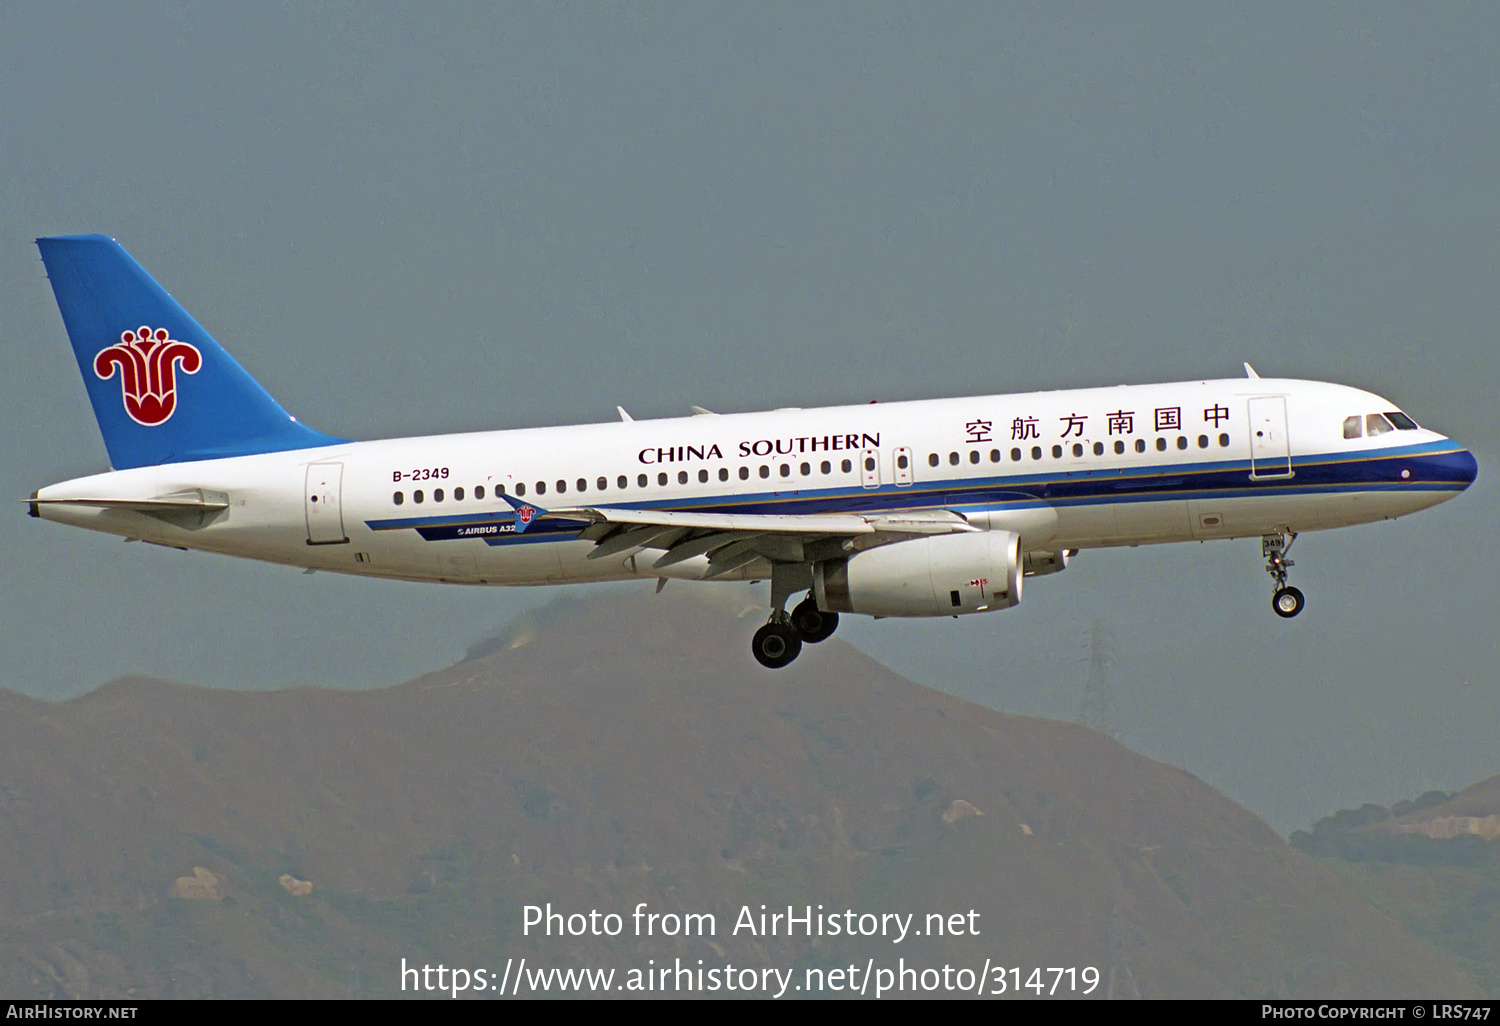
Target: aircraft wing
[730,540]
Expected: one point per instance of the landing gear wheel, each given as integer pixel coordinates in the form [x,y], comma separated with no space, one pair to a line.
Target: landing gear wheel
[775,645]
[1287,602]
[812,623]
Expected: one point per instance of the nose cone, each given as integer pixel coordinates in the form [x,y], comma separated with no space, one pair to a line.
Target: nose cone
[1467,467]
[1458,467]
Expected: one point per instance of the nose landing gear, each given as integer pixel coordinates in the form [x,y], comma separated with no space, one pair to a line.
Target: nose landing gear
[1287,601]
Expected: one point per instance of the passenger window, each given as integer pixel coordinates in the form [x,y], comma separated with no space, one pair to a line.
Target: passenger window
[602,484]
[1223,441]
[994,455]
[640,480]
[932,459]
[1077,449]
[416,496]
[1057,452]
[806,469]
[703,477]
[1161,445]
[765,471]
[437,495]
[458,494]
[1352,427]
[1401,420]
[520,489]
[398,498]
[869,462]
[847,466]
[786,470]
[1098,448]
[500,489]
[1036,452]
[541,487]
[622,482]
[1119,447]
[1375,424]
[1203,441]
[723,473]
[661,479]
[1182,441]
[682,477]
[826,467]
[744,473]
[479,491]
[953,459]
[562,486]
[1015,455]
[583,484]
[973,455]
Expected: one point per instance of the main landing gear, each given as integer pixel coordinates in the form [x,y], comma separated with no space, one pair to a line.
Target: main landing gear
[781,640]
[1287,601]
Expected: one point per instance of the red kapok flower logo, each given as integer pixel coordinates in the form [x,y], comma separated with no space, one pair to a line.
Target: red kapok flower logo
[148,362]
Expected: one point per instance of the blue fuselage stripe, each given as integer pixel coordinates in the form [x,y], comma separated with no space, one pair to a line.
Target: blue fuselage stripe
[1437,466]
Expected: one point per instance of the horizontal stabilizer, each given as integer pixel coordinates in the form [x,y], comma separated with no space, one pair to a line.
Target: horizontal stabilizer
[138,505]
[191,509]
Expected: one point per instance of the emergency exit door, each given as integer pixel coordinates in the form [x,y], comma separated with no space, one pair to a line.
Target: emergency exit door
[901,465]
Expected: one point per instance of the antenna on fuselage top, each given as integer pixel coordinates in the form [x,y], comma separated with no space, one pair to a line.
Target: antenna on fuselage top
[1250,372]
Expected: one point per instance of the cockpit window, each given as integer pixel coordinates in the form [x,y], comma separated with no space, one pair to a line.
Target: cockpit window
[1375,424]
[1352,427]
[1401,420]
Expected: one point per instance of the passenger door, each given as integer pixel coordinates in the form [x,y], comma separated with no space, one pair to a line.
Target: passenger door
[1270,448]
[324,502]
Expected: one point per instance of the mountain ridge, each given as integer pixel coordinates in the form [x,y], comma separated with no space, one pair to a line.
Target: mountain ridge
[626,751]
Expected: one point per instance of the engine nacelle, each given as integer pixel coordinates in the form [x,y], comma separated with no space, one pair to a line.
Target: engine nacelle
[941,575]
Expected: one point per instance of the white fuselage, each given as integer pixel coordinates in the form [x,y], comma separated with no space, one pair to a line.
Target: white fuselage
[1065,470]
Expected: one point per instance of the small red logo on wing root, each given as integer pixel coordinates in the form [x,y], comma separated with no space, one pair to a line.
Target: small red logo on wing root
[148,361]
[526,513]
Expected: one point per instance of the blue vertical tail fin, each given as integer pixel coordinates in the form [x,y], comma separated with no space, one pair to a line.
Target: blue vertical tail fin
[163,390]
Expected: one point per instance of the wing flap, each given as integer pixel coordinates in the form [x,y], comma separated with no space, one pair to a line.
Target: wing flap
[813,524]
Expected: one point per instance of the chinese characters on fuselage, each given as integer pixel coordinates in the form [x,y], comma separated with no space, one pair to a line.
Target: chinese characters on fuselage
[1119,422]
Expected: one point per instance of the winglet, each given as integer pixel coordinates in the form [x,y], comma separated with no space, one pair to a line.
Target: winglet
[527,513]
[1250,372]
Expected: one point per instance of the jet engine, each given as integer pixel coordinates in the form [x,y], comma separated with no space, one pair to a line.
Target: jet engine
[941,575]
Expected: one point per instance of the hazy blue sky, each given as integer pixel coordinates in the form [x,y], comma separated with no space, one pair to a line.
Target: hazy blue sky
[419,220]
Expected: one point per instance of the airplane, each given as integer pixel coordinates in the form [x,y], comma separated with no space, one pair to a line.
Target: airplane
[939,507]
